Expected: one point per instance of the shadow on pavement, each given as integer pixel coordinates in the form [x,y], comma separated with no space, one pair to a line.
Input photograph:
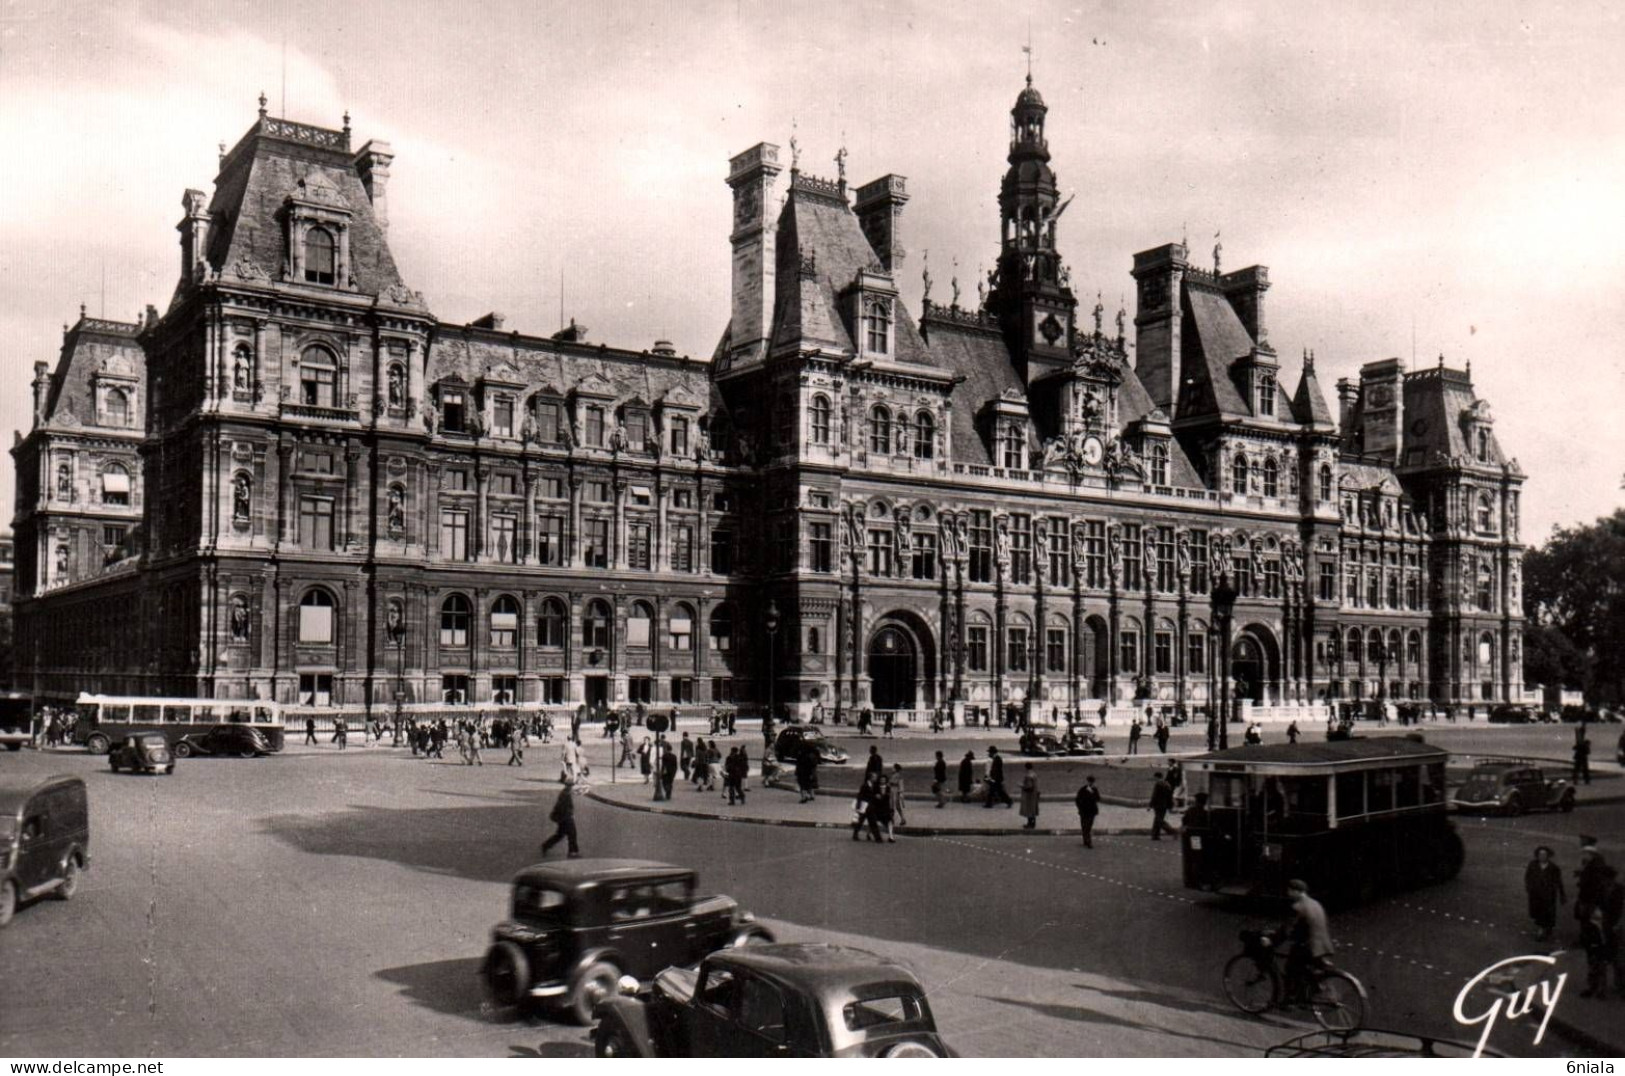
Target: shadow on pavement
[444,986]
[1179,1002]
[1081,1014]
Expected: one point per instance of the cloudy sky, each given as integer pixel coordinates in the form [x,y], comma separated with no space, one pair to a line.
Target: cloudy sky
[1448,174]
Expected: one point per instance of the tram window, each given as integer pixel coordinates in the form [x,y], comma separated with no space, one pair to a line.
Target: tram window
[178,715]
[1305,802]
[1350,795]
[1433,787]
[1381,794]
[115,715]
[146,714]
[1226,790]
[1410,787]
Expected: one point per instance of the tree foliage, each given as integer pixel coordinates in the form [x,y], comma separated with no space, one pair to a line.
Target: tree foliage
[1574,597]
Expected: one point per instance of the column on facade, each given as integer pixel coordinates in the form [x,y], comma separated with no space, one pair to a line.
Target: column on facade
[351,492]
[527,541]
[414,379]
[482,489]
[257,380]
[572,541]
[1001,642]
[1113,645]
[618,554]
[660,555]
[1181,647]
[1040,652]
[284,492]
[431,522]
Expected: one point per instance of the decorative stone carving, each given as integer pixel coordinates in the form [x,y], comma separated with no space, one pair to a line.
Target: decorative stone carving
[239,617]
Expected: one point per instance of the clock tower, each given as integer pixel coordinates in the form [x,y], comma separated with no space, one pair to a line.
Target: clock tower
[1031,296]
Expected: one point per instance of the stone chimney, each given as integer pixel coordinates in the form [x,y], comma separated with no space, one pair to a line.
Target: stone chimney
[1159,276]
[1381,409]
[880,209]
[1346,395]
[372,163]
[194,229]
[751,175]
[42,386]
[1244,289]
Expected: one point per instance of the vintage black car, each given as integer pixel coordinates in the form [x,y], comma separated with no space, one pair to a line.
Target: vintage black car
[146,752]
[1511,786]
[577,927]
[44,840]
[239,740]
[1042,744]
[796,1000]
[792,738]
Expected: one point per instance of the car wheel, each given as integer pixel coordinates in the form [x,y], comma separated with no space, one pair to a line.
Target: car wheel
[70,881]
[507,973]
[113,762]
[98,744]
[909,1049]
[1567,803]
[613,1042]
[1514,806]
[594,984]
[8,901]
[183,750]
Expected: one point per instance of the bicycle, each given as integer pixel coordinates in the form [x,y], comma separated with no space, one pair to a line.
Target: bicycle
[1253,982]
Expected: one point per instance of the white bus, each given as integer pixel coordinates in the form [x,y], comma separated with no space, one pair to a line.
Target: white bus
[105,718]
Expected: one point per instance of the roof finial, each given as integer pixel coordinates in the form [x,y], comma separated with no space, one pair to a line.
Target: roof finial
[840,162]
[222,153]
[1308,360]
[1441,360]
[925,277]
[795,148]
[1100,312]
[954,283]
[346,121]
[81,311]
[262,104]
[1218,249]
[1184,236]
[1028,49]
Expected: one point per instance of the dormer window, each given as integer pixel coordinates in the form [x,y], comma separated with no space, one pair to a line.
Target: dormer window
[1485,515]
[502,416]
[1325,483]
[925,436]
[1483,450]
[594,432]
[637,430]
[453,410]
[1015,448]
[1159,463]
[877,326]
[319,256]
[118,408]
[1266,394]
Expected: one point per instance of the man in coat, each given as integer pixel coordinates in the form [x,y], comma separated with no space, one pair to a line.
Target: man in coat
[1162,801]
[875,768]
[1088,810]
[1029,797]
[563,818]
[1591,880]
[668,769]
[939,779]
[995,780]
[1310,935]
[1134,737]
[967,775]
[685,754]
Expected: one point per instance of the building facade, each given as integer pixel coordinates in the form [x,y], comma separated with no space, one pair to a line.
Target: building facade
[297,483]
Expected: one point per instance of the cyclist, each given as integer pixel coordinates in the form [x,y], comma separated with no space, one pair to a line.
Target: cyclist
[1310,937]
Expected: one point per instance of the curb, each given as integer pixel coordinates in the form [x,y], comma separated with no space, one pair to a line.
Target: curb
[907,831]
[1585,1039]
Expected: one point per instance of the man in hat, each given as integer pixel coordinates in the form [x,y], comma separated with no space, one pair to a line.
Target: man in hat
[1088,803]
[563,818]
[1591,881]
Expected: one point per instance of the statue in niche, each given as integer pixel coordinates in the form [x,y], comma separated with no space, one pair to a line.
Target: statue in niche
[527,428]
[397,512]
[239,617]
[431,416]
[394,620]
[1122,316]
[1218,556]
[1257,559]
[61,561]
[1182,555]
[1114,552]
[397,387]
[1001,545]
[853,534]
[239,371]
[702,444]
[617,438]
[950,551]
[1080,549]
[241,499]
[64,483]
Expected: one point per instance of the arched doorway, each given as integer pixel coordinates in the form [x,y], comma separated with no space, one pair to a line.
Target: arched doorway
[893,669]
[1096,656]
[1247,669]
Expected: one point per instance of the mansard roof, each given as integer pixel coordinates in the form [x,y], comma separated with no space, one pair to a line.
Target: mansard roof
[979,356]
[90,347]
[821,250]
[278,159]
[1437,402]
[542,365]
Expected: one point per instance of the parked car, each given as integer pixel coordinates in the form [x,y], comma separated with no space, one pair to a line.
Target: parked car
[1082,739]
[44,840]
[1512,787]
[1510,714]
[1043,744]
[792,738]
[775,1001]
[240,740]
[577,927]
[147,752]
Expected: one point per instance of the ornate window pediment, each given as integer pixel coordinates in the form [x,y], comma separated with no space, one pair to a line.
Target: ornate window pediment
[318,223]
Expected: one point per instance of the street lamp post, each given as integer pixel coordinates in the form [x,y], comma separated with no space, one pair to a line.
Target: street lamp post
[771,623]
[400,682]
[1223,598]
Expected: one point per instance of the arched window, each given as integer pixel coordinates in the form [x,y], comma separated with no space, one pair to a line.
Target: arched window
[550,625]
[1325,482]
[1374,649]
[1485,516]
[316,617]
[318,376]
[1272,477]
[1486,652]
[1395,646]
[319,256]
[118,407]
[1413,650]
[1483,445]
[1356,647]
[1486,587]
[877,326]
[1266,394]
[722,628]
[597,626]
[640,625]
[880,431]
[680,628]
[1238,473]
[1159,464]
[505,622]
[815,642]
[925,436]
[820,419]
[115,485]
[455,617]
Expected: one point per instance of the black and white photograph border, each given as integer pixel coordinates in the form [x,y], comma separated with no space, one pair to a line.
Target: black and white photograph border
[587,467]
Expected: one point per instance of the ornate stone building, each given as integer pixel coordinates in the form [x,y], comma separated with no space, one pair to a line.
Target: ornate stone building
[338,498]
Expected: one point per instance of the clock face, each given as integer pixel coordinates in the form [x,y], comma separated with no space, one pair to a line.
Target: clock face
[1093,451]
[1382,396]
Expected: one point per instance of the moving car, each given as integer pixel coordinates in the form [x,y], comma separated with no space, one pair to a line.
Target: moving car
[1511,786]
[243,741]
[44,840]
[147,752]
[792,738]
[577,927]
[1043,744]
[775,1001]
[1082,739]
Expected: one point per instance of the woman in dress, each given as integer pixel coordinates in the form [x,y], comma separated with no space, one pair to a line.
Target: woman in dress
[1543,881]
[1029,797]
